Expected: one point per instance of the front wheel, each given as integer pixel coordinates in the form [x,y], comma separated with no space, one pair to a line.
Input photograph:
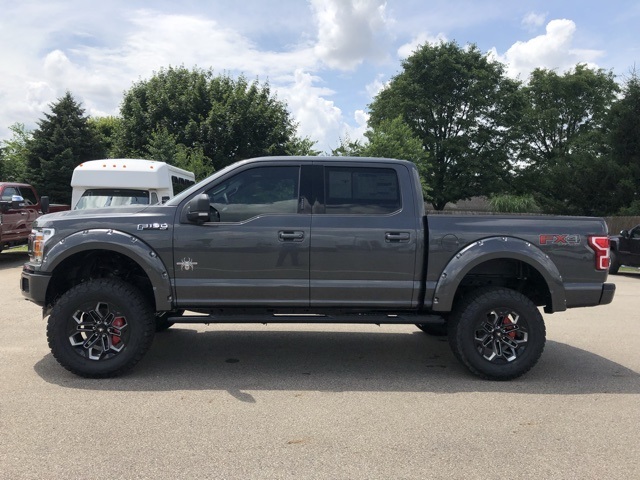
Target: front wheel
[497,333]
[100,328]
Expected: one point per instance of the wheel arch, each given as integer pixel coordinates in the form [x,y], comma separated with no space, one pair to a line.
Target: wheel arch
[107,253]
[501,261]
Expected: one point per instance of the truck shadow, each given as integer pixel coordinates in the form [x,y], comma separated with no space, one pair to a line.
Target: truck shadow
[241,361]
[12,259]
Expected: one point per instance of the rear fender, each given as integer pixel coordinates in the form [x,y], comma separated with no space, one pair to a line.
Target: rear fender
[491,249]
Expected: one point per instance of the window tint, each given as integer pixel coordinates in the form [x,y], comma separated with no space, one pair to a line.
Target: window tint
[28,195]
[257,191]
[357,191]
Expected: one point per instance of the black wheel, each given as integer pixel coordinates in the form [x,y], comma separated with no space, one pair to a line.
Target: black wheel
[162,323]
[497,333]
[434,329]
[100,328]
[614,265]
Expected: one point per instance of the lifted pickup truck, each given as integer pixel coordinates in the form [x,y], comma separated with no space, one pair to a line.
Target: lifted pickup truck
[20,205]
[309,239]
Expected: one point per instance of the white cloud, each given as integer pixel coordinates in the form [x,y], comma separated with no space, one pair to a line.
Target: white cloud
[421,39]
[532,21]
[319,118]
[350,31]
[553,50]
[375,86]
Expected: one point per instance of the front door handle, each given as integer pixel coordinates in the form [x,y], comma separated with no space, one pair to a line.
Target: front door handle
[290,236]
[396,237]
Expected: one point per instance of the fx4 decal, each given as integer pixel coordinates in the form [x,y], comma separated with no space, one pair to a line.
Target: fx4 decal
[559,239]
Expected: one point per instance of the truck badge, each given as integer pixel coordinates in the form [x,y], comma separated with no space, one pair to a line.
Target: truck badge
[187,264]
[153,226]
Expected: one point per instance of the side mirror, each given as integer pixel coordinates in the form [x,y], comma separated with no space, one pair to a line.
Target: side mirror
[624,233]
[165,199]
[44,204]
[198,209]
[16,201]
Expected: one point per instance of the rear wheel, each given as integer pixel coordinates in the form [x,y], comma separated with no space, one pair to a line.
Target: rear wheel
[100,328]
[497,333]
[614,264]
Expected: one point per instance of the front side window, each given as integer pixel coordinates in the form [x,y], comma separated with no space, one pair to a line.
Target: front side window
[358,190]
[257,191]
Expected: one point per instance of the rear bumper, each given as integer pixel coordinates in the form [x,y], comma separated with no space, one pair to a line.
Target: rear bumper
[608,292]
[589,295]
[33,286]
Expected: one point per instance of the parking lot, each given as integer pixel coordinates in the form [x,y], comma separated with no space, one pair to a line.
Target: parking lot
[323,402]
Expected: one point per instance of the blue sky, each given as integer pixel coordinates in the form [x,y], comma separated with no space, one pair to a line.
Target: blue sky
[325,58]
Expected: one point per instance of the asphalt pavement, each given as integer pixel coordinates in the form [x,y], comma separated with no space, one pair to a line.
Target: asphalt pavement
[323,402]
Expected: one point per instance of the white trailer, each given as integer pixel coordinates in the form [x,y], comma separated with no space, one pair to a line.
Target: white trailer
[126,181]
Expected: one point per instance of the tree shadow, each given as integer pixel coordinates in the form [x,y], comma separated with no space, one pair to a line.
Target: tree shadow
[241,361]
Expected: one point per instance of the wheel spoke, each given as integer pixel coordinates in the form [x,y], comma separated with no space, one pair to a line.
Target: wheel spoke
[499,337]
[99,333]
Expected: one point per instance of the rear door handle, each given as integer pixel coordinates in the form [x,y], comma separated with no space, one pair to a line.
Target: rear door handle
[290,236]
[396,237]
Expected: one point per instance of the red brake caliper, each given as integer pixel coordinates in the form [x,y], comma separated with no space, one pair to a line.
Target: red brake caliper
[118,323]
[507,321]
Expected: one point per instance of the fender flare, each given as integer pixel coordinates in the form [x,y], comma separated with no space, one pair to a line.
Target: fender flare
[493,248]
[123,243]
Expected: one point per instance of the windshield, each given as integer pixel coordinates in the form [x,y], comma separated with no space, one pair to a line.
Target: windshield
[100,198]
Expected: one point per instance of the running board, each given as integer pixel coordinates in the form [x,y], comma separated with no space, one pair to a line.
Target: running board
[378,318]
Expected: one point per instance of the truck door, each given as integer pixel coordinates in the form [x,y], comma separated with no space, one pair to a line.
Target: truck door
[255,251]
[634,246]
[363,237]
[11,218]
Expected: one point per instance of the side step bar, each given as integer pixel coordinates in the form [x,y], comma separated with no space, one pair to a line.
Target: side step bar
[378,318]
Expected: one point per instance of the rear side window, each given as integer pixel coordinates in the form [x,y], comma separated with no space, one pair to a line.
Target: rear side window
[361,191]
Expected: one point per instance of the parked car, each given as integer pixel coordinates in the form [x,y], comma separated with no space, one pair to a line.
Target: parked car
[309,239]
[20,206]
[625,249]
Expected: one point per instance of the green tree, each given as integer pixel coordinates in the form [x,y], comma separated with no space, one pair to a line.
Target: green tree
[461,106]
[62,141]
[227,119]
[106,130]
[563,141]
[13,154]
[625,143]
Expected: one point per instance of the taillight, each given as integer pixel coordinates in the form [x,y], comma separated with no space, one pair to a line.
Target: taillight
[600,245]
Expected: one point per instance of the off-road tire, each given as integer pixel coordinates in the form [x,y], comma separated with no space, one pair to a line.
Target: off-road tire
[108,312]
[614,264]
[497,333]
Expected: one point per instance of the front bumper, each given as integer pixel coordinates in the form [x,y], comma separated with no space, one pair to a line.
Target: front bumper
[33,285]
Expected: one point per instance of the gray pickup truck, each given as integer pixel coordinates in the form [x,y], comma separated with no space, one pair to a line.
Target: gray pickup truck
[309,239]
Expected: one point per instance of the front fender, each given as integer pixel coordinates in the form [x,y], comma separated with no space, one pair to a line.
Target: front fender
[491,249]
[123,243]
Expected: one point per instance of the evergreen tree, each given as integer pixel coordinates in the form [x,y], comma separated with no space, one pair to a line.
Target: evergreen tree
[62,141]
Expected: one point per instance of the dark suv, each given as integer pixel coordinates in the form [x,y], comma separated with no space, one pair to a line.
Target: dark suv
[625,249]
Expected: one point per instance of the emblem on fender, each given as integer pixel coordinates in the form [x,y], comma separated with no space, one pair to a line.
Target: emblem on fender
[187,264]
